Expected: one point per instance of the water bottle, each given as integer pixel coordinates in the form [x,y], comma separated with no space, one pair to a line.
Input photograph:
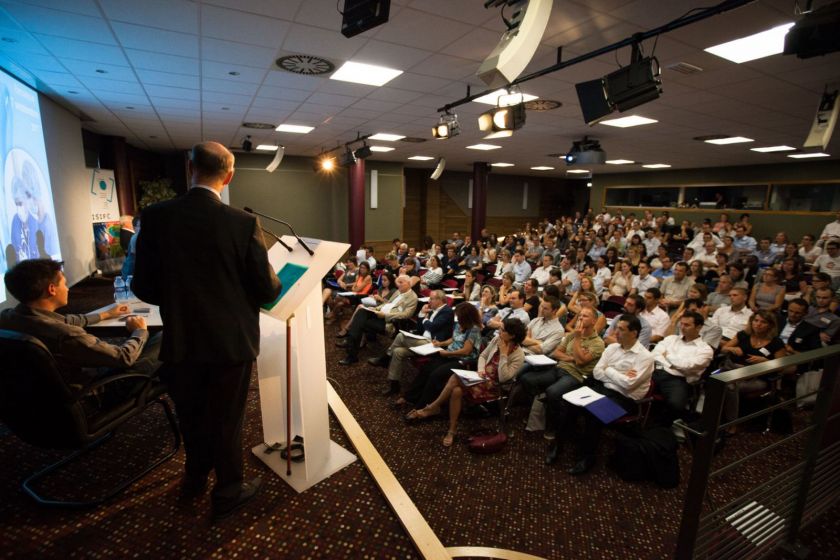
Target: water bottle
[119,289]
[129,295]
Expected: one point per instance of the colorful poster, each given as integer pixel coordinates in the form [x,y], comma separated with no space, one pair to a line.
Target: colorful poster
[104,206]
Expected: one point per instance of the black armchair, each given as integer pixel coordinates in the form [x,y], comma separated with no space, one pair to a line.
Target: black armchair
[42,410]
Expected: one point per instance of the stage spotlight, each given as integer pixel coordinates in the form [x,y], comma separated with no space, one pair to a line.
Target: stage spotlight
[347,158]
[247,145]
[586,151]
[363,152]
[633,85]
[324,162]
[440,165]
[502,118]
[447,127]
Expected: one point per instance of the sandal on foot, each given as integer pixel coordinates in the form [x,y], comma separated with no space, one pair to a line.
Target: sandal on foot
[449,439]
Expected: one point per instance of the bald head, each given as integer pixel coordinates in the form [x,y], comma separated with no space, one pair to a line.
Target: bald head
[211,164]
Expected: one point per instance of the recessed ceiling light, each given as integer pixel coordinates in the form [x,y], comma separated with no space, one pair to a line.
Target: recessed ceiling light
[267,147]
[589,184]
[626,122]
[72,92]
[542,168]
[295,128]
[483,147]
[769,149]
[8,40]
[233,73]
[578,171]
[619,161]
[753,47]
[656,165]
[501,164]
[386,137]
[225,108]
[381,149]
[500,134]
[129,107]
[153,137]
[729,140]
[806,156]
[421,158]
[506,100]
[367,74]
[101,71]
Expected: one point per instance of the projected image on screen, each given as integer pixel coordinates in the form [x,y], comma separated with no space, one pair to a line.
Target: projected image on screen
[27,218]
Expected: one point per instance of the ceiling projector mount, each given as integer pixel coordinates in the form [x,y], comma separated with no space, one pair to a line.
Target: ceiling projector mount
[585,152]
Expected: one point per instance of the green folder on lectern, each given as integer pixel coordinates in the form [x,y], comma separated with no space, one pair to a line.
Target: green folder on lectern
[288,275]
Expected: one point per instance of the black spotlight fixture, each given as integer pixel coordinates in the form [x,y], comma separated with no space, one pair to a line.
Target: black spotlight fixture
[585,152]
[247,145]
[347,158]
[363,152]
[447,127]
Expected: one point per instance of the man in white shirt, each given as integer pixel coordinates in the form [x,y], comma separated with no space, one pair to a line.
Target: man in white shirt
[521,268]
[545,331]
[675,289]
[516,310]
[542,273]
[808,250]
[651,242]
[680,361]
[623,375]
[654,315]
[703,236]
[568,275]
[734,317]
[602,271]
[832,230]
[644,281]
[633,305]
[829,262]
[707,255]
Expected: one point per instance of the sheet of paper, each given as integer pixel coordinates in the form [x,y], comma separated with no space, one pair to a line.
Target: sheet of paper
[412,335]
[468,377]
[425,349]
[539,360]
[346,294]
[582,396]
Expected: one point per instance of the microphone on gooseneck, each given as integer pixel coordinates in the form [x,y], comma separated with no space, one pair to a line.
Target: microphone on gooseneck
[279,221]
[277,237]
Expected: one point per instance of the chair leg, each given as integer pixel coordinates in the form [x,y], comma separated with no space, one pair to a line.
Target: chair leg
[29,482]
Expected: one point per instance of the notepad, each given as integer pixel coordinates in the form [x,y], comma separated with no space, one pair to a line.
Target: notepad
[539,360]
[412,335]
[288,275]
[603,408]
[346,294]
[368,302]
[468,377]
[425,349]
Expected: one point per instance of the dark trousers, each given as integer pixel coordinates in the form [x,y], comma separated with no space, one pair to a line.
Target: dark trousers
[363,322]
[592,426]
[430,381]
[555,383]
[677,393]
[210,402]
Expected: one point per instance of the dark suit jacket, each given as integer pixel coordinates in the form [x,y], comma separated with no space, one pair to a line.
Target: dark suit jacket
[804,337]
[441,327]
[205,264]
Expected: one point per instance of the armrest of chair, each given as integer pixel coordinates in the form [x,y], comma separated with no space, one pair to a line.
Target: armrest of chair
[103,382]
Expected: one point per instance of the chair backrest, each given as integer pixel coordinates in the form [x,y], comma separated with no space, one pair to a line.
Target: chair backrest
[35,402]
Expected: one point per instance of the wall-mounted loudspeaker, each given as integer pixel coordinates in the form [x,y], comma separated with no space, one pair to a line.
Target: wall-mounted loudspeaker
[278,157]
[440,165]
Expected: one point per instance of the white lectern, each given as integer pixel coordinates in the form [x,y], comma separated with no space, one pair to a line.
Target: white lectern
[299,312]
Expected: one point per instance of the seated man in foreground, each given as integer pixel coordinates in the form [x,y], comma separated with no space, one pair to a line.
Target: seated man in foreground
[41,288]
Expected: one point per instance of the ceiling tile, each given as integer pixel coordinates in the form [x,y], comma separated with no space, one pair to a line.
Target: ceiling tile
[412,28]
[306,39]
[240,54]
[83,50]
[296,81]
[232,25]
[283,10]
[36,19]
[174,15]
[138,37]
[161,62]
[221,70]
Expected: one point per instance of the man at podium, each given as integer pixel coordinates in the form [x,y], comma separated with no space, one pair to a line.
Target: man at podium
[206,265]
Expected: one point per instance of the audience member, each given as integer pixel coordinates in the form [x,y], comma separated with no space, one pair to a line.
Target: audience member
[656,317]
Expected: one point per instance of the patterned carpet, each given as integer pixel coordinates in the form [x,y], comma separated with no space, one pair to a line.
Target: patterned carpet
[508,500]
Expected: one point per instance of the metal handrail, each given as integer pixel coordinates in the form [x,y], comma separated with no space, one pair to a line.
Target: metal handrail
[716,387]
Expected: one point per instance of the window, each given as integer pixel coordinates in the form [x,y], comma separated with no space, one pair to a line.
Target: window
[665,197]
[805,198]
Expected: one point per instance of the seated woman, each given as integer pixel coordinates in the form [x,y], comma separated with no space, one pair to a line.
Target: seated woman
[695,271]
[472,289]
[768,294]
[583,299]
[361,287]
[487,304]
[473,260]
[385,293]
[532,298]
[697,293]
[505,289]
[504,265]
[345,281]
[432,277]
[792,279]
[758,343]
[464,345]
[621,282]
[499,363]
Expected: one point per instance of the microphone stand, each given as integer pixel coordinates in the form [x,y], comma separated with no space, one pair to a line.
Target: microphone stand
[287,224]
[277,237]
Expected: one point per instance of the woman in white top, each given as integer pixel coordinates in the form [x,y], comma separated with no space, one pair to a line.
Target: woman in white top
[433,275]
[504,265]
[471,290]
[622,281]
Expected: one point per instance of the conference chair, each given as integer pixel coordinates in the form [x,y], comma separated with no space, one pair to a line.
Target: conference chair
[41,409]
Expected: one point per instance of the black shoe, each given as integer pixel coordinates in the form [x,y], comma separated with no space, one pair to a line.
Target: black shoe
[193,486]
[393,388]
[581,467]
[223,507]
[552,453]
[381,361]
[342,343]
[348,361]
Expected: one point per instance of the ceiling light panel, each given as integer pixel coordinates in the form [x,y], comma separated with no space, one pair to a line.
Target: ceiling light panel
[483,147]
[502,98]
[619,161]
[626,122]
[808,156]
[501,164]
[729,140]
[386,137]
[771,149]
[657,165]
[267,147]
[381,149]
[542,168]
[367,74]
[295,128]
[753,47]
[421,158]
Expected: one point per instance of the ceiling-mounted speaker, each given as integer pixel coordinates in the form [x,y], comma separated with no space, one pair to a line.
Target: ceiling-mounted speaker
[361,15]
[278,157]
[518,44]
[440,165]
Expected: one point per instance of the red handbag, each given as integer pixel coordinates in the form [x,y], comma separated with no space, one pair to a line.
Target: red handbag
[487,443]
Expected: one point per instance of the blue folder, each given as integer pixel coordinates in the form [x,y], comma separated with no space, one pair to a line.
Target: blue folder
[605,410]
[288,275]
